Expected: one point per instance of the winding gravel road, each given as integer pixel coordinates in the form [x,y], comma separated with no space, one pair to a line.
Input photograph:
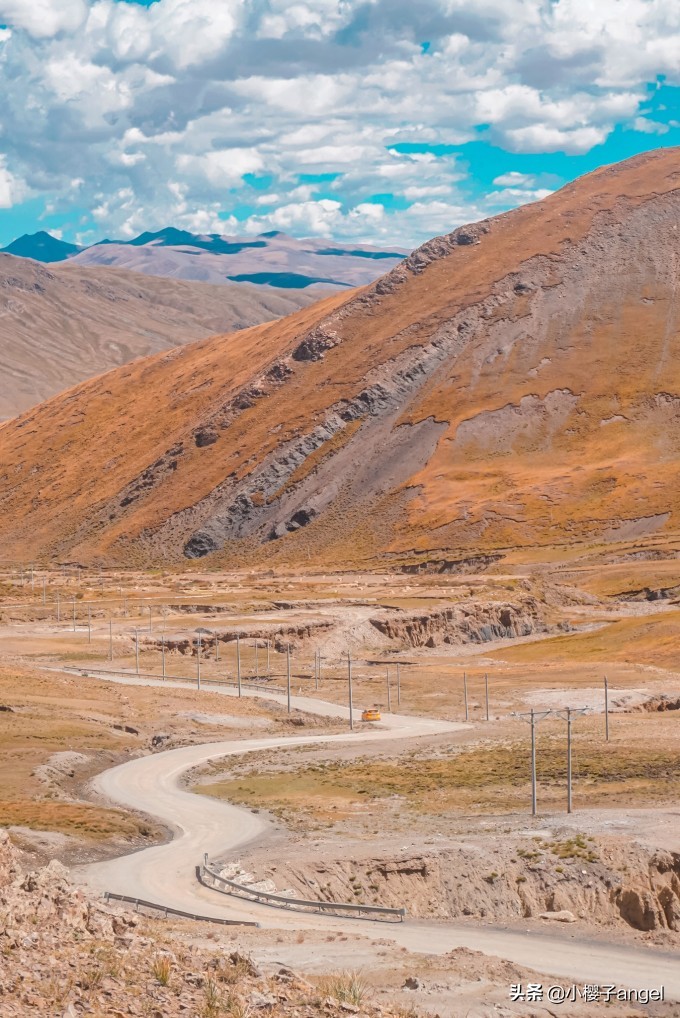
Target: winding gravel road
[166,873]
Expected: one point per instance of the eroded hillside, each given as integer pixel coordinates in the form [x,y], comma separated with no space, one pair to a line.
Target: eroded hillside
[514,383]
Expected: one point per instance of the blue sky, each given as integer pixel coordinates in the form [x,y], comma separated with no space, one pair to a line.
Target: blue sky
[381,121]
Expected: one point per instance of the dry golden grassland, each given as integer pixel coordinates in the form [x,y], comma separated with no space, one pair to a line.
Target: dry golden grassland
[640,766]
[649,640]
[51,713]
[48,715]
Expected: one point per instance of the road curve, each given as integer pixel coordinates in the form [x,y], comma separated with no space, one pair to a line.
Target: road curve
[166,873]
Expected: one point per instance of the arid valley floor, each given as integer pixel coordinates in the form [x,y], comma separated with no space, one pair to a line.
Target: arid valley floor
[423,810]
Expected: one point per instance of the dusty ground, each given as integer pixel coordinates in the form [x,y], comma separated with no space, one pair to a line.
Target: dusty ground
[413,821]
[58,731]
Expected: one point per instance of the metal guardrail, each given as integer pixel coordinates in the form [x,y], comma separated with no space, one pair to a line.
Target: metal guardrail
[204,874]
[167,910]
[246,683]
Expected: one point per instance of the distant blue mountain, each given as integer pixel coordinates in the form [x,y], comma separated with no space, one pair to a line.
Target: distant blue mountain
[41,247]
[284,280]
[171,237]
[358,253]
[270,259]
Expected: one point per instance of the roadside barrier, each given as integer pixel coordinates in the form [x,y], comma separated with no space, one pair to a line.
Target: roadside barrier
[377,913]
[167,910]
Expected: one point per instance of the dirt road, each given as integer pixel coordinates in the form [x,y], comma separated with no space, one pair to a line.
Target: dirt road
[166,873]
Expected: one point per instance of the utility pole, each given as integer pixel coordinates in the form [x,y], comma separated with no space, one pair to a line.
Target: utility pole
[110,640]
[89,625]
[217,647]
[533,763]
[606,709]
[465,697]
[163,655]
[486,692]
[238,663]
[137,650]
[389,700]
[533,718]
[317,655]
[268,668]
[74,613]
[398,686]
[349,682]
[257,667]
[288,675]
[150,623]
[198,663]
[567,714]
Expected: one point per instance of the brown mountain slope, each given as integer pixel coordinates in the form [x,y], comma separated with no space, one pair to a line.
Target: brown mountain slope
[60,325]
[514,383]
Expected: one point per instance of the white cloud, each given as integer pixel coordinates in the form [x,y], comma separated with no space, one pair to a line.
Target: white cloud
[509,197]
[12,190]
[224,167]
[514,179]
[159,112]
[43,18]
[180,33]
[647,126]
[546,138]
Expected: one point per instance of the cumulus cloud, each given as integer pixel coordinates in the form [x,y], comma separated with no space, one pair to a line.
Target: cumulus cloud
[12,190]
[43,19]
[190,111]
[514,179]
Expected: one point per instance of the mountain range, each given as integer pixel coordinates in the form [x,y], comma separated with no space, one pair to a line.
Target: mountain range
[514,384]
[270,259]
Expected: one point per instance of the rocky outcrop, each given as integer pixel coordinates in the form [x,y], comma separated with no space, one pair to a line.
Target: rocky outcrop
[467,622]
[605,882]
[64,955]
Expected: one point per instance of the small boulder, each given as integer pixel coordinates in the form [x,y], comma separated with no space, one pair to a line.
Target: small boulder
[563,916]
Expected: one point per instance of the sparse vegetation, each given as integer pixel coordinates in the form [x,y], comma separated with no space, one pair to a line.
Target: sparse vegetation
[162,969]
[578,847]
[482,779]
[345,987]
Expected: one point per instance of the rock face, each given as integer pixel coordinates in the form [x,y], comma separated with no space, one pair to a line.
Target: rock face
[469,622]
[515,881]
[43,899]
[512,384]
